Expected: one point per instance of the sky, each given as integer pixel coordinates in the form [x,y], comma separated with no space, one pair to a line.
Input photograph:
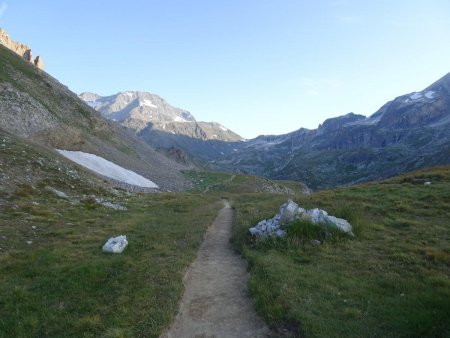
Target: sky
[255,66]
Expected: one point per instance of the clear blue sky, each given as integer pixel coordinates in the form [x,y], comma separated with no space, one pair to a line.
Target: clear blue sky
[256,66]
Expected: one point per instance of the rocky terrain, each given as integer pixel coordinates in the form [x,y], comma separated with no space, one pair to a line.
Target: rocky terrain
[160,124]
[20,49]
[407,133]
[410,132]
[36,107]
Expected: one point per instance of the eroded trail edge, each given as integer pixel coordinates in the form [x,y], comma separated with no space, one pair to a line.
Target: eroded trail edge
[216,302]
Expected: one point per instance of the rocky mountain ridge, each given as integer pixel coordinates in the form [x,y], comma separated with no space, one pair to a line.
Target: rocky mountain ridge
[20,49]
[145,112]
[410,132]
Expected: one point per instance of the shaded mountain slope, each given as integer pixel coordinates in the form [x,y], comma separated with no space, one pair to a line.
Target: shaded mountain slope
[410,132]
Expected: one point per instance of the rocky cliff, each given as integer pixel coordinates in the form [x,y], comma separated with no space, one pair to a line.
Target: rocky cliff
[21,49]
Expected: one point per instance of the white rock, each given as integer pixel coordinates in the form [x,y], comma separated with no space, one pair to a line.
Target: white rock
[341,224]
[427,183]
[317,215]
[116,244]
[280,233]
[111,205]
[288,211]
[57,192]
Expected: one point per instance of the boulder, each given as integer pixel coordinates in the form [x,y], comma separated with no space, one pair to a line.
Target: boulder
[317,215]
[341,224]
[116,244]
[289,212]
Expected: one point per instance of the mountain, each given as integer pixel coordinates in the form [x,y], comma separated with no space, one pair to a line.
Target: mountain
[410,132]
[172,130]
[37,108]
[141,110]
[407,133]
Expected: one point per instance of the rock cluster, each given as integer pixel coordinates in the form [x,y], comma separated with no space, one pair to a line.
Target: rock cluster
[19,48]
[289,212]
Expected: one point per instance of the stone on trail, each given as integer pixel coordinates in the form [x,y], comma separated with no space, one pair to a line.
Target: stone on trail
[116,244]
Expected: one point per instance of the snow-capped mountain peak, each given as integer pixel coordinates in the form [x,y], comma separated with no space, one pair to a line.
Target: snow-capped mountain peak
[142,110]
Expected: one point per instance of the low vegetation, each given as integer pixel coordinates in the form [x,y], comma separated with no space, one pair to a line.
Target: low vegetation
[55,281]
[204,181]
[392,280]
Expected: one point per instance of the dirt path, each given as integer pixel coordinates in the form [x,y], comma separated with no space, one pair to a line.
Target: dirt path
[216,301]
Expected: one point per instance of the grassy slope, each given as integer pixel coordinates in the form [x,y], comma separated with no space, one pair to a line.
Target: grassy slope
[391,281]
[62,285]
[204,181]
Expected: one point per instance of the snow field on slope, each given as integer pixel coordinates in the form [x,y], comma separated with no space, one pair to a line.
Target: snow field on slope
[106,168]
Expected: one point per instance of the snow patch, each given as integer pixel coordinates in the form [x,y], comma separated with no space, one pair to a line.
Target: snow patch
[429,94]
[106,168]
[223,128]
[373,120]
[94,104]
[147,103]
[416,96]
[366,121]
[180,119]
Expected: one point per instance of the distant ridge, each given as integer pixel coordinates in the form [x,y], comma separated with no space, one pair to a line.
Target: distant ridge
[142,111]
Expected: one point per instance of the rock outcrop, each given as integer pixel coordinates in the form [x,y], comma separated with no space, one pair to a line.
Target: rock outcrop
[21,49]
[289,212]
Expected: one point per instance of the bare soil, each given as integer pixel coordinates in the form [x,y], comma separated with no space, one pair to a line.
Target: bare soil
[216,302]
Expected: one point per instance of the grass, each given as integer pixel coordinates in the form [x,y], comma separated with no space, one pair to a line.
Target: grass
[54,279]
[63,285]
[203,181]
[393,280]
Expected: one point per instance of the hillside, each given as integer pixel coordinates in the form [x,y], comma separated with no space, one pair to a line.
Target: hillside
[391,280]
[35,106]
[407,133]
[410,132]
[161,125]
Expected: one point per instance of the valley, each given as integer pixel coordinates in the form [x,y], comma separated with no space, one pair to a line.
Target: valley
[387,174]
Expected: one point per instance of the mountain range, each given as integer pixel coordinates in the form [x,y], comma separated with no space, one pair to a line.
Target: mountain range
[410,132]
[144,133]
